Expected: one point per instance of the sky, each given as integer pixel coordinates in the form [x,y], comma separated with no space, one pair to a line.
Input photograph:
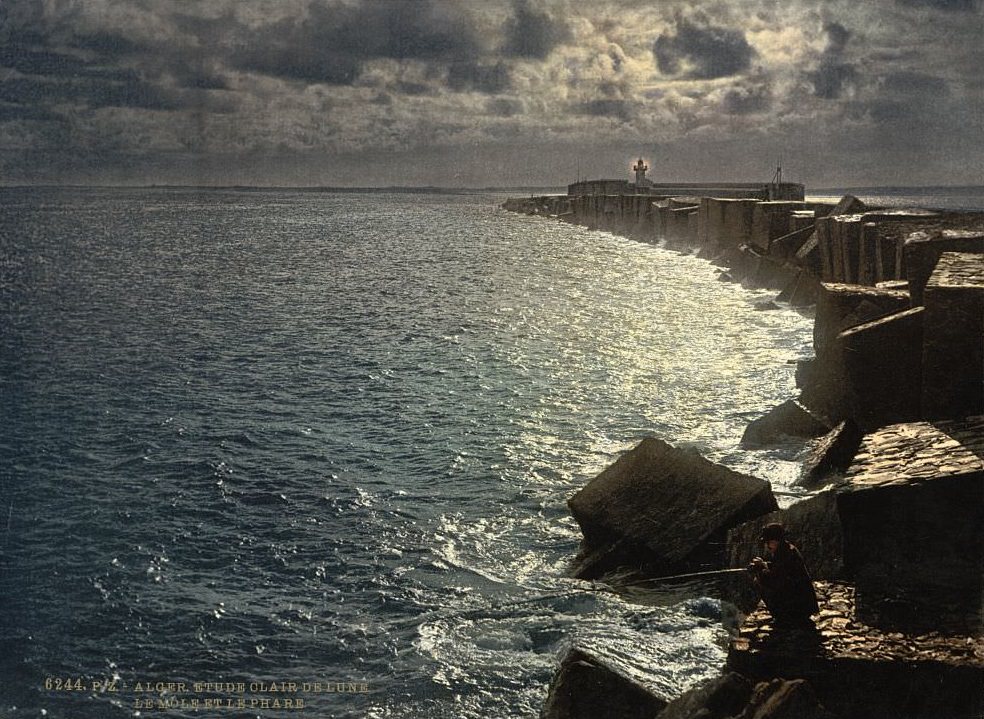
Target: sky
[481,93]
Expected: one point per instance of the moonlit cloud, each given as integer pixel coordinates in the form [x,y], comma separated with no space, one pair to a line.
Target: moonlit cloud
[492,93]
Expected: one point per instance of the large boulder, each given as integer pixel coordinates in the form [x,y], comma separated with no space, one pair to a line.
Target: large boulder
[663,511]
[953,338]
[586,687]
[840,307]
[923,249]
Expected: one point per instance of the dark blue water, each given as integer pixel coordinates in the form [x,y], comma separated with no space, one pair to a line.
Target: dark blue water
[274,436]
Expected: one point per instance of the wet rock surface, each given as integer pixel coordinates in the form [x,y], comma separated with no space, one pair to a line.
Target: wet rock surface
[586,687]
[789,419]
[663,511]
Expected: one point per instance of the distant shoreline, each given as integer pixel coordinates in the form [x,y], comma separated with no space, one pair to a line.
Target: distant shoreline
[430,189]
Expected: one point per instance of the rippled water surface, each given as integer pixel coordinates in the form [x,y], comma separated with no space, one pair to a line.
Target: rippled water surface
[276,436]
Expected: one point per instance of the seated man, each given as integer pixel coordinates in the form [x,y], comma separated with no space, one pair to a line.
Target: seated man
[784,582]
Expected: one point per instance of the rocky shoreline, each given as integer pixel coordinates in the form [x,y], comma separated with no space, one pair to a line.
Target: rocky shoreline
[893,401]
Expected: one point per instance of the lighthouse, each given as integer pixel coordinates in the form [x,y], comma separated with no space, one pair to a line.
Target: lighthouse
[640,169]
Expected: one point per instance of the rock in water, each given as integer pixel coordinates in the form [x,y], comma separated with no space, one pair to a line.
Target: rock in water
[663,511]
[789,418]
[584,687]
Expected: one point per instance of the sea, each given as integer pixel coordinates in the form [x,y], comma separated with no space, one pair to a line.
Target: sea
[278,453]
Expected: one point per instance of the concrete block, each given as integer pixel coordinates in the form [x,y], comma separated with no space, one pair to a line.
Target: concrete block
[923,248]
[771,220]
[840,306]
[912,519]
[953,343]
[883,368]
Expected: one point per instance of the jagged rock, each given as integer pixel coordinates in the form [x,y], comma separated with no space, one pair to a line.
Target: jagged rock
[848,205]
[718,698]
[766,305]
[789,245]
[585,687]
[662,511]
[790,418]
[785,699]
[833,453]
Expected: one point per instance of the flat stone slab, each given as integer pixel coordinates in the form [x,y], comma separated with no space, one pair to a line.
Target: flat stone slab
[861,671]
[958,269]
[843,635]
[918,451]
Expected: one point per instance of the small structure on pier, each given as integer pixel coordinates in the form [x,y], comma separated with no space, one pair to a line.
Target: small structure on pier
[640,169]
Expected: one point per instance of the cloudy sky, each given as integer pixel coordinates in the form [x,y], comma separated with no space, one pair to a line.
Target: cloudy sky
[490,92]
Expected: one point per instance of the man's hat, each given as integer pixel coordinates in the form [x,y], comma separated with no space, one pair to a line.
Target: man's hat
[772,531]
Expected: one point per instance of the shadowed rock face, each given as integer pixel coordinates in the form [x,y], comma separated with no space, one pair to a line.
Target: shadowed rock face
[584,687]
[912,517]
[718,698]
[833,453]
[860,671]
[953,339]
[662,511]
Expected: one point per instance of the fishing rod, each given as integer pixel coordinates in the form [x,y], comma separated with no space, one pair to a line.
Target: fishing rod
[689,575]
[594,587]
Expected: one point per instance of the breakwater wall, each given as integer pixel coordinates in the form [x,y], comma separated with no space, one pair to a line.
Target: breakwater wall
[892,406]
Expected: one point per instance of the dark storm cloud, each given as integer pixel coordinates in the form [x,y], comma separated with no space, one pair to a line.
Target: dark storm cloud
[945,5]
[532,34]
[10,113]
[331,44]
[413,88]
[747,100]
[915,83]
[503,107]
[106,43]
[710,51]
[605,108]
[833,74]
[490,79]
